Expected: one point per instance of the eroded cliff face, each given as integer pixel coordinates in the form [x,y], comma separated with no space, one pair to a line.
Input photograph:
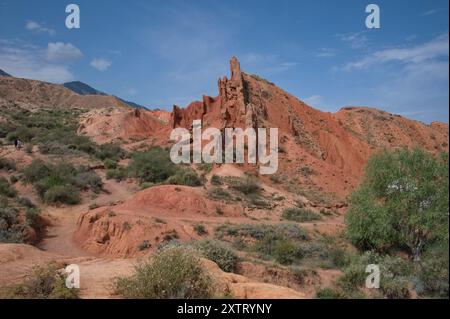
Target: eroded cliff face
[231,108]
[321,151]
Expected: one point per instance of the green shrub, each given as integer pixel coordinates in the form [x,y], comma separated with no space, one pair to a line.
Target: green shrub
[7,164]
[110,164]
[218,193]
[36,171]
[61,183]
[64,194]
[147,185]
[261,231]
[300,215]
[185,177]
[285,252]
[200,229]
[45,283]
[402,202]
[14,179]
[118,174]
[328,293]
[110,151]
[153,166]
[246,186]
[216,180]
[206,167]
[433,273]
[184,279]
[218,252]
[10,227]
[85,180]
[6,189]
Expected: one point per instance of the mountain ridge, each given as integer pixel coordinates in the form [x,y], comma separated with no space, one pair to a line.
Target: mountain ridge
[3,73]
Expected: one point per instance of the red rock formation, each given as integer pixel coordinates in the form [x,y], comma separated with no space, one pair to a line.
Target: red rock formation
[334,147]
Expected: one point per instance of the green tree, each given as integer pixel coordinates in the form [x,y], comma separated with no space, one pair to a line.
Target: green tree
[402,202]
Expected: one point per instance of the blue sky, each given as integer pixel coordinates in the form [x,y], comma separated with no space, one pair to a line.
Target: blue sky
[160,53]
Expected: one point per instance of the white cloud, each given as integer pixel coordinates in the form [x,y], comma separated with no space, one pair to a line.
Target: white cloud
[59,51]
[357,40]
[433,49]
[100,64]
[25,60]
[38,28]
[415,81]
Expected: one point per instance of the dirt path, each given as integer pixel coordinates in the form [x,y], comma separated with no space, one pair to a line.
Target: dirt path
[96,274]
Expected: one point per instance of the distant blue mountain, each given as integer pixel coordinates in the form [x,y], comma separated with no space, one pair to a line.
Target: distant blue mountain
[84,89]
[3,73]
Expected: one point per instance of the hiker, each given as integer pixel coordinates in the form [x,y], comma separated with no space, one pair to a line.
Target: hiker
[15,142]
[19,144]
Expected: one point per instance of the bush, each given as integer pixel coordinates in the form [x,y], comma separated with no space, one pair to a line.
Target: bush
[10,227]
[216,180]
[63,194]
[328,293]
[200,229]
[118,174]
[61,183]
[153,166]
[246,186]
[218,193]
[433,274]
[261,231]
[110,151]
[110,164]
[402,202]
[88,180]
[185,177]
[184,279]
[285,252]
[45,283]
[300,215]
[7,164]
[36,171]
[6,189]
[218,252]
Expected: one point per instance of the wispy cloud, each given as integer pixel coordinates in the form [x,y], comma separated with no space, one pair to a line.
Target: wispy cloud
[429,12]
[326,53]
[59,51]
[100,64]
[416,78]
[38,28]
[356,40]
[435,48]
[22,59]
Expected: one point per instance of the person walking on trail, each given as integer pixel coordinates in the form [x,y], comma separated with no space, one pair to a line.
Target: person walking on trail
[19,144]
[16,141]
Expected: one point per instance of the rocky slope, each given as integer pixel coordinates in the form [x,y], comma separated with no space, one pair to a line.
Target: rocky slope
[324,152]
[32,94]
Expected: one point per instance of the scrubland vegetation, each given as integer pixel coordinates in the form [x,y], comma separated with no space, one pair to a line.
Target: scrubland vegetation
[45,283]
[400,208]
[185,278]
[16,214]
